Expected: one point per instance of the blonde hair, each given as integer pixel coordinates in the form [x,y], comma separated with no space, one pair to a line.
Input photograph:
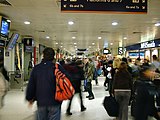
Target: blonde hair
[116,63]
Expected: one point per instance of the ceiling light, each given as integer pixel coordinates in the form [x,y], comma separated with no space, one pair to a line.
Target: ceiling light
[157,24]
[27,22]
[61,46]
[73,37]
[125,38]
[47,37]
[89,46]
[93,43]
[8,20]
[111,44]
[70,22]
[114,23]
[75,43]
[75,46]
[56,43]
[99,38]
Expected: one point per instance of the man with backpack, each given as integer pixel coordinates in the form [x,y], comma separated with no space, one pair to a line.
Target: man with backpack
[42,88]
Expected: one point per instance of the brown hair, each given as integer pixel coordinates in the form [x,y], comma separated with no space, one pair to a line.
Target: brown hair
[123,66]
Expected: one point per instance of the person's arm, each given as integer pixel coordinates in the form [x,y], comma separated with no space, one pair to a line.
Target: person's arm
[31,88]
[114,82]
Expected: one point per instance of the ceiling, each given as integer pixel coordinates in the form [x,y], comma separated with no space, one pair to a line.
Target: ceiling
[47,20]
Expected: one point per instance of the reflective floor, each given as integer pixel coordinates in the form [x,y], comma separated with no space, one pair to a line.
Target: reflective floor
[16,107]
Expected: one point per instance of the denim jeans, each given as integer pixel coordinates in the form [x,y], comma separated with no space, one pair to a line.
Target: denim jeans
[49,113]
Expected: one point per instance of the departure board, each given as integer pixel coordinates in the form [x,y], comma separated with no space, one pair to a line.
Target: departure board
[110,6]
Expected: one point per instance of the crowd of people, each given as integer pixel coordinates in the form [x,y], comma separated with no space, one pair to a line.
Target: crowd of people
[130,83]
[125,80]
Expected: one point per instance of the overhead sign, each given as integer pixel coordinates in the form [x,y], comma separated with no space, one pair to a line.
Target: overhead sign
[148,44]
[114,6]
[120,50]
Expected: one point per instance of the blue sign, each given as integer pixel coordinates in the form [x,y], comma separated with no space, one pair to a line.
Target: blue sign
[144,45]
[4,27]
[122,6]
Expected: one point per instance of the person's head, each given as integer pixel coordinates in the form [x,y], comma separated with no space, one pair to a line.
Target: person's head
[79,63]
[137,62]
[90,60]
[86,60]
[146,60]
[48,54]
[146,72]
[154,57]
[68,61]
[123,66]
[116,63]
[110,63]
[125,60]
[129,60]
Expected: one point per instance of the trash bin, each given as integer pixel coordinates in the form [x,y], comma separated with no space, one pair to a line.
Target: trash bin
[16,81]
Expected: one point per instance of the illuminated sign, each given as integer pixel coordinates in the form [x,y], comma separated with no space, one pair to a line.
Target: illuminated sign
[120,51]
[114,6]
[148,44]
[106,51]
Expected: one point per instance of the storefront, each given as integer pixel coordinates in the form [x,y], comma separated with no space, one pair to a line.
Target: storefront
[144,50]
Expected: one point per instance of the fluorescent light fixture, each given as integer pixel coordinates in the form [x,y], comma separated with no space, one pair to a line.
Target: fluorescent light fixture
[157,24]
[8,20]
[99,38]
[125,38]
[114,23]
[70,23]
[27,22]
[93,43]
[75,46]
[61,46]
[111,43]
[73,37]
[75,43]
[47,37]
[56,43]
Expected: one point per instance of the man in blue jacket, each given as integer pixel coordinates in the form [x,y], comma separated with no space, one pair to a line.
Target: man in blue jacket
[42,88]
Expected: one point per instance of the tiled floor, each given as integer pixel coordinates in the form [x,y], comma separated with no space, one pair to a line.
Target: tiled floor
[16,107]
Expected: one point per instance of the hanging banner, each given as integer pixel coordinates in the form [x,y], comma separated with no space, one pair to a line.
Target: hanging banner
[113,6]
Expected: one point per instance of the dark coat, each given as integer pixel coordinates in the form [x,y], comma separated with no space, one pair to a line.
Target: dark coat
[77,74]
[42,84]
[122,80]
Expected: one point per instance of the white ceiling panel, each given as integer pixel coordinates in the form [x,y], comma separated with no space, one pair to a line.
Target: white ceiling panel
[47,20]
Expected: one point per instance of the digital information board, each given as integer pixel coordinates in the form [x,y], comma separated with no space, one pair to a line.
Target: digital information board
[111,6]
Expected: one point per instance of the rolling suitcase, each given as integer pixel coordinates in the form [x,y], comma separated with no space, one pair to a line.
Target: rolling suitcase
[111,106]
